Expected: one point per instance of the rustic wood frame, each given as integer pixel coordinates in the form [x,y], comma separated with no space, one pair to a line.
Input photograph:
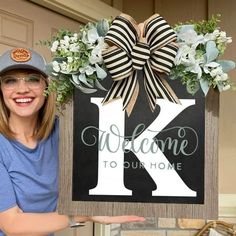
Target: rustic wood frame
[208,210]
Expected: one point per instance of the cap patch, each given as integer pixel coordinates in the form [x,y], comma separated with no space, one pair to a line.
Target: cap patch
[20,55]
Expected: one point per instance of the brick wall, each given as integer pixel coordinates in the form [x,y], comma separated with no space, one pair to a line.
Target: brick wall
[162,227]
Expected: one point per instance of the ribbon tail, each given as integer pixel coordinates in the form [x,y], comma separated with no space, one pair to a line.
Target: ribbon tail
[156,87]
[133,99]
[171,92]
[125,89]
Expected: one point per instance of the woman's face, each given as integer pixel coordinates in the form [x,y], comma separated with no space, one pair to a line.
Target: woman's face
[23,92]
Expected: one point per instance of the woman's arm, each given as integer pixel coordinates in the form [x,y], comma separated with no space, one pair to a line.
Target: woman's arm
[14,222]
[17,223]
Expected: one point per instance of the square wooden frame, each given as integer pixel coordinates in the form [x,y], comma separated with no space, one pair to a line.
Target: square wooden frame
[208,210]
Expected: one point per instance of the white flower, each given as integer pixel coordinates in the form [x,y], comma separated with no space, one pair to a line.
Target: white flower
[92,35]
[216,71]
[64,68]
[88,70]
[55,66]
[67,38]
[84,38]
[69,59]
[74,47]
[185,55]
[223,38]
[210,66]
[189,36]
[64,44]
[74,38]
[196,69]
[222,77]
[54,46]
[212,36]
[96,54]
[226,87]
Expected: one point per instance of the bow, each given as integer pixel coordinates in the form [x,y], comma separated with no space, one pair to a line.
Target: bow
[149,46]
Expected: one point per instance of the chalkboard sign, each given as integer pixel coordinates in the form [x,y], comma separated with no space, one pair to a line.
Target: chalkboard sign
[161,163]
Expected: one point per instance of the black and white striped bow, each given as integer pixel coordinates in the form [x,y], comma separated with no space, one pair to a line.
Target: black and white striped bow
[149,46]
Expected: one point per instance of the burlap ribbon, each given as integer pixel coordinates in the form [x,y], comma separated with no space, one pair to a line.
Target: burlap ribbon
[149,46]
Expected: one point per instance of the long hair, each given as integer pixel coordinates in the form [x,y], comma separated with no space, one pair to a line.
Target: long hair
[45,123]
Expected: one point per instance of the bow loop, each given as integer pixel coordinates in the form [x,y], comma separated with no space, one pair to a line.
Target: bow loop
[162,60]
[123,32]
[158,32]
[117,62]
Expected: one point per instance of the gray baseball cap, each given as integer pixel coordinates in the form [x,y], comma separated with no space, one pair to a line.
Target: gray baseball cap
[22,58]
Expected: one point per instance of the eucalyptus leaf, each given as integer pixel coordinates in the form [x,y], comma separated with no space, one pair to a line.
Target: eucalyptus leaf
[65,72]
[82,78]
[49,69]
[84,89]
[185,28]
[101,74]
[204,86]
[102,27]
[211,51]
[74,72]
[227,65]
[60,59]
[92,35]
[75,79]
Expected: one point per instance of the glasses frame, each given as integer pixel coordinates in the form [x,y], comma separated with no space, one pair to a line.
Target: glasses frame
[27,83]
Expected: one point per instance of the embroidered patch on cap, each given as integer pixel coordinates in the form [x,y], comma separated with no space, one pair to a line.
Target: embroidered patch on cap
[20,55]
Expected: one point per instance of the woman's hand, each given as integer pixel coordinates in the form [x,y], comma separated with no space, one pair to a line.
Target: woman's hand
[116,219]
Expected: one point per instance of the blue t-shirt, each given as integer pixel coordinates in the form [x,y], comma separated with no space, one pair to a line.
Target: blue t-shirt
[29,176]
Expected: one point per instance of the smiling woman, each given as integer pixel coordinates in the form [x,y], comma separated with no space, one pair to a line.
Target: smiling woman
[23,82]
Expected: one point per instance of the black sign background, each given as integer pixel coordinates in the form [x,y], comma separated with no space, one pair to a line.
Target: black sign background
[85,159]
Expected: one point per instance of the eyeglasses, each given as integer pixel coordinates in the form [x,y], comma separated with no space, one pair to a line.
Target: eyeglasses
[33,81]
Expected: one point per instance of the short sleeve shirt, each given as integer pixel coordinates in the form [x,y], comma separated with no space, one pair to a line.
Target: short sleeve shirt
[29,176]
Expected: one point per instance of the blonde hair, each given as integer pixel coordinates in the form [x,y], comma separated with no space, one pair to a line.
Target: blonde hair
[46,118]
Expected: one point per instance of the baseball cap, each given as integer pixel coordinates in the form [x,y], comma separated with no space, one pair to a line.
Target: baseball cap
[22,58]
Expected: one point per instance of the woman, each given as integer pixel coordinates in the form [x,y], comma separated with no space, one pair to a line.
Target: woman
[29,151]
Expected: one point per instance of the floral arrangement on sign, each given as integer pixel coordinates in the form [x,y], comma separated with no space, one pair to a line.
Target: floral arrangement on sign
[197,63]
[79,62]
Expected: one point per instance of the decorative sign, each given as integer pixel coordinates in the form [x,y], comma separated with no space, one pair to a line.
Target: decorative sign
[151,164]
[147,157]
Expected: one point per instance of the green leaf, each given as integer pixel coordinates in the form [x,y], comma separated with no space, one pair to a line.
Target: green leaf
[204,86]
[103,27]
[49,69]
[84,89]
[211,51]
[192,87]
[227,65]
